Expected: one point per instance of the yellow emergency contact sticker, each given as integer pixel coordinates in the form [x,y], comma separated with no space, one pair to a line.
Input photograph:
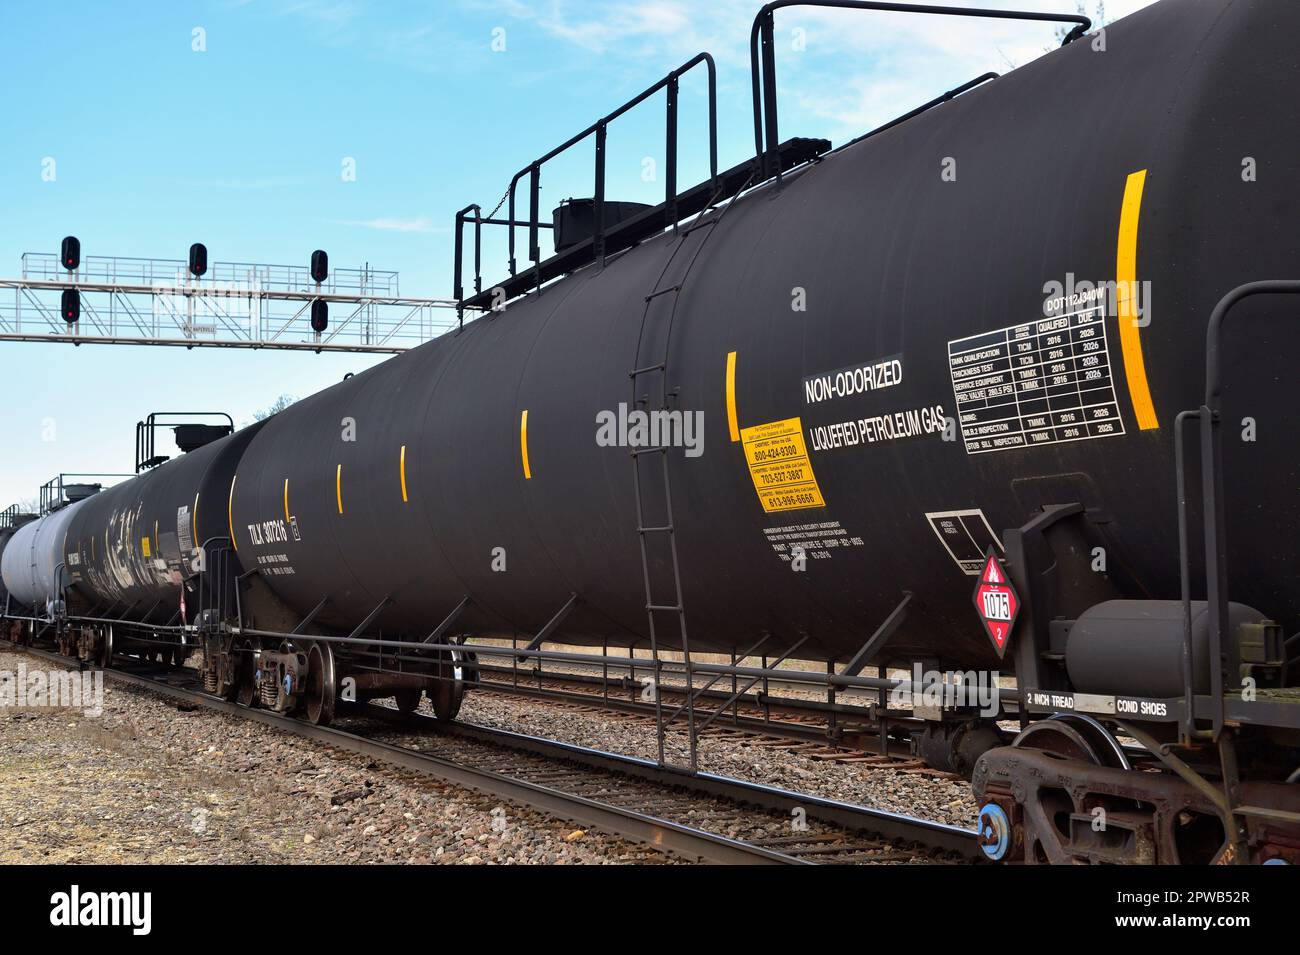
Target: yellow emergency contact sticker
[779,465]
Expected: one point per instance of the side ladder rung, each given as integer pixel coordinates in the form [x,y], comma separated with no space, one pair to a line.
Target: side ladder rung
[646,370]
[655,530]
[675,608]
[663,291]
[660,449]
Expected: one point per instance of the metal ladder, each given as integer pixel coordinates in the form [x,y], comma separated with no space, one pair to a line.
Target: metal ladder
[665,294]
[1209,421]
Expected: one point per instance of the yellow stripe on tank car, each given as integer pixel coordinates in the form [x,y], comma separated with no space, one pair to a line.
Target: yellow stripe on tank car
[286,500]
[523,444]
[194,522]
[338,487]
[732,425]
[401,467]
[1135,370]
[230,513]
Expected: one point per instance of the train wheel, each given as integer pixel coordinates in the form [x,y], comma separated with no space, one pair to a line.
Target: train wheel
[448,693]
[321,684]
[1074,736]
[106,648]
[408,700]
[1057,798]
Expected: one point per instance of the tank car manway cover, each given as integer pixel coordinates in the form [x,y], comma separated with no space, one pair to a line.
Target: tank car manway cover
[997,602]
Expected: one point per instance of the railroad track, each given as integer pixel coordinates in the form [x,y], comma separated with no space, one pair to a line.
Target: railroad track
[785,726]
[696,816]
[802,734]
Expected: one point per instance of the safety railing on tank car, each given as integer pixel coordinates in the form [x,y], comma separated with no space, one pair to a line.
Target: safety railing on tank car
[54,492]
[10,516]
[762,59]
[1208,416]
[146,433]
[772,157]
[669,83]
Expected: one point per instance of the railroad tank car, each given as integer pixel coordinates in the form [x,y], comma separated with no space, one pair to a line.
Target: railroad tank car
[131,548]
[10,604]
[936,263]
[969,335]
[133,552]
[5,534]
[12,629]
[32,563]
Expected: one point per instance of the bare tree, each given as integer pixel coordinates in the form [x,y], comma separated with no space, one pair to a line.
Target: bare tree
[276,407]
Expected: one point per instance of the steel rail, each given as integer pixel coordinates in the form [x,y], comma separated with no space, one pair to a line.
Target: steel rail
[879,822]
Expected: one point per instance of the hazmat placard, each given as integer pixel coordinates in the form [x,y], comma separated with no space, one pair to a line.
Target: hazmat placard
[996,602]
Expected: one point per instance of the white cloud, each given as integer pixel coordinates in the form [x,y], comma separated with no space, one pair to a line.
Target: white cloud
[331,14]
[393,224]
[859,68]
[896,61]
[651,28]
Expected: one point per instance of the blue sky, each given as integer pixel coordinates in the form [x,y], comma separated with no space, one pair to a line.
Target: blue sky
[241,146]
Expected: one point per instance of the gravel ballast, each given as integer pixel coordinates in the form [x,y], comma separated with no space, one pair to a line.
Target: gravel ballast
[937,797]
[153,781]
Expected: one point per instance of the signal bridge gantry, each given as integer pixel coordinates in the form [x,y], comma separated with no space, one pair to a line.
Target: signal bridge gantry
[145,301]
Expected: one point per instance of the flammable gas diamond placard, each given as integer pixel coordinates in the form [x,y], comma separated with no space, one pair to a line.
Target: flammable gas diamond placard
[996,602]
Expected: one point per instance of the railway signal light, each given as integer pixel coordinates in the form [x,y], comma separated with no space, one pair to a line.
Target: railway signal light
[71,305]
[70,253]
[320,266]
[198,259]
[320,315]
